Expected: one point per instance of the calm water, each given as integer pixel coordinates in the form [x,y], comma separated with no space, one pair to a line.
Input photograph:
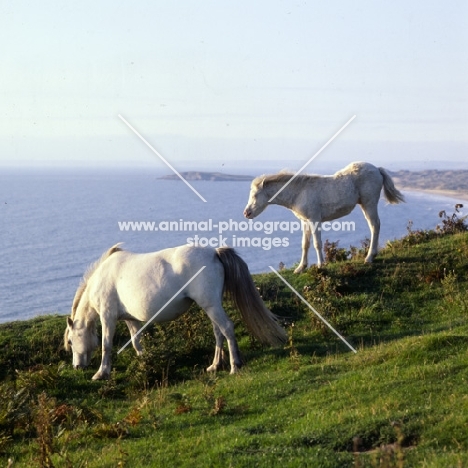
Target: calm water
[53,225]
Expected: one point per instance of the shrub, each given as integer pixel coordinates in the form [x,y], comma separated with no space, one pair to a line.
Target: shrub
[452,224]
[333,253]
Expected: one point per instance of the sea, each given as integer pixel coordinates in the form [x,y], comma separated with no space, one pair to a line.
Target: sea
[54,224]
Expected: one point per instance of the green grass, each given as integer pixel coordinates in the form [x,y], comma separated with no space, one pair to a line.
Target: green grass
[401,401]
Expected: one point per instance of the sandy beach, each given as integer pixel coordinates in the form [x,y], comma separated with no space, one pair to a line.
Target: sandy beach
[450,183]
[459,195]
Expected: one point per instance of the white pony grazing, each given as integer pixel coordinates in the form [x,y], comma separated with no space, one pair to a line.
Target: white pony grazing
[134,287]
[315,199]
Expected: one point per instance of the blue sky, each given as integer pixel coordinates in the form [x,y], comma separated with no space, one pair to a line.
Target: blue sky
[228,84]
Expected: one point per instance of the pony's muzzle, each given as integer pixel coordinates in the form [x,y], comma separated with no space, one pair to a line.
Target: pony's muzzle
[81,362]
[247,213]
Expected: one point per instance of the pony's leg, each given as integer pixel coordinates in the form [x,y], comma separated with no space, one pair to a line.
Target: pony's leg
[108,330]
[372,216]
[133,327]
[317,235]
[218,357]
[305,248]
[218,316]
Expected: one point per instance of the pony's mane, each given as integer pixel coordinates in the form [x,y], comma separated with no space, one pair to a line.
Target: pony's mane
[91,269]
[284,177]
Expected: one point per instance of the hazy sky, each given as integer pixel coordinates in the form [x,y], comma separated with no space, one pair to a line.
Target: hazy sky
[232,82]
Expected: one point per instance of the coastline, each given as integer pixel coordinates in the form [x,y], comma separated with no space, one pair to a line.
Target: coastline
[456,194]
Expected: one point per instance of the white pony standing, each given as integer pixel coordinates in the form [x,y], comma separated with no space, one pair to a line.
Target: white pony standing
[134,287]
[315,199]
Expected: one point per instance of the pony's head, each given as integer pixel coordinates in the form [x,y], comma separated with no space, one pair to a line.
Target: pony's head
[81,338]
[258,199]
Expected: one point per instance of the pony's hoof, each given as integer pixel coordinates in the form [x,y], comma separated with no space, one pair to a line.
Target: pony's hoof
[100,376]
[300,269]
[235,369]
[212,368]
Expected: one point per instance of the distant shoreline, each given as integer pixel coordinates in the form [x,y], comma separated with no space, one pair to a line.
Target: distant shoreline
[447,183]
[457,194]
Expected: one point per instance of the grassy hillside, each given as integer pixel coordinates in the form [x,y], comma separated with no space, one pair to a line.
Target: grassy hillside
[401,401]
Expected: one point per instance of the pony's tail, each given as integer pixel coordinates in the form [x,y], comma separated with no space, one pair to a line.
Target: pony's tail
[240,289]
[391,193]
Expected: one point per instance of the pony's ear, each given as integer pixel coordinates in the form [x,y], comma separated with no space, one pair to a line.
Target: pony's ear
[262,183]
[69,322]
